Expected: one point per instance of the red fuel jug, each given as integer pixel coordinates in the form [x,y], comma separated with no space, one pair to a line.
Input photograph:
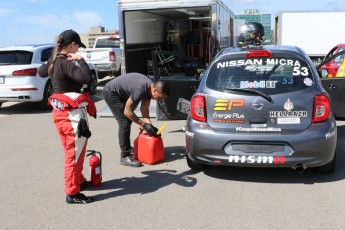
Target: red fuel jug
[147,149]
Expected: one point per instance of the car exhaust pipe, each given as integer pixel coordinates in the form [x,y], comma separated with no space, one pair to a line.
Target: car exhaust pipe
[300,168]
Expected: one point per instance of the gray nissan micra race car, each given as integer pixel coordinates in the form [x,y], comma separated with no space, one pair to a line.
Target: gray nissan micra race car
[261,106]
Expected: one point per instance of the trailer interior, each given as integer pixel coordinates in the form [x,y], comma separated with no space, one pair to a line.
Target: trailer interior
[183,30]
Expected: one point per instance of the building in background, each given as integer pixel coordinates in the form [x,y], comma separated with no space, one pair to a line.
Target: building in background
[98,31]
[253,15]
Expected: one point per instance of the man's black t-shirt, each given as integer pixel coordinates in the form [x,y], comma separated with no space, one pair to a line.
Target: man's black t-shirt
[132,85]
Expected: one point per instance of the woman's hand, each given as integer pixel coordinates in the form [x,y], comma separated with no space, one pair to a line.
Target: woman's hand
[73,57]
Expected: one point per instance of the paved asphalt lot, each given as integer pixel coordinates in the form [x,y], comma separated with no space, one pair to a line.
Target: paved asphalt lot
[163,196]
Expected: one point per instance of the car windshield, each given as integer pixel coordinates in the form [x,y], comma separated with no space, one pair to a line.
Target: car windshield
[15,57]
[267,75]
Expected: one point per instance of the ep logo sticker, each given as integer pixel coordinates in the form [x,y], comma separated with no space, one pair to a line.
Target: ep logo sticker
[225,104]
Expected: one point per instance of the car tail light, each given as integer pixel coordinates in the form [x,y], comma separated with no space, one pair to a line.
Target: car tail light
[198,108]
[25,72]
[259,54]
[112,56]
[321,109]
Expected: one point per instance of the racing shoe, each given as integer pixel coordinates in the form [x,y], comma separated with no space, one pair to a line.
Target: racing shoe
[129,161]
[79,198]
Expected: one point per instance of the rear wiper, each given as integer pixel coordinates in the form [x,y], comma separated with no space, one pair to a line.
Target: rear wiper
[252,91]
[5,63]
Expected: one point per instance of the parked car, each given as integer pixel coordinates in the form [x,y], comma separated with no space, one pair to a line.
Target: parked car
[105,56]
[334,65]
[19,80]
[262,106]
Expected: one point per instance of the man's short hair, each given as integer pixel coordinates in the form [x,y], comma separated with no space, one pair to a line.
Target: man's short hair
[163,87]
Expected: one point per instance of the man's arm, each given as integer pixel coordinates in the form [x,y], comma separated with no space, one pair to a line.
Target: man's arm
[128,112]
[145,110]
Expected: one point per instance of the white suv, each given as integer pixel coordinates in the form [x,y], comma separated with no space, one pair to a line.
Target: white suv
[19,80]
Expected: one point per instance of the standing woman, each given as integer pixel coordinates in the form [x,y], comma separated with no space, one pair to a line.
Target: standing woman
[68,72]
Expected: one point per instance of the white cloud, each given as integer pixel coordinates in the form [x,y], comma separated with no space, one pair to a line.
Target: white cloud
[6,12]
[87,19]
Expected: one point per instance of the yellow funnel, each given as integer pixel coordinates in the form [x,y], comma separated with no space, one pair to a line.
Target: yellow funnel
[161,128]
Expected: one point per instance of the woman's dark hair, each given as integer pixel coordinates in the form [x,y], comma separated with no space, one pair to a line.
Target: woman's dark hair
[56,52]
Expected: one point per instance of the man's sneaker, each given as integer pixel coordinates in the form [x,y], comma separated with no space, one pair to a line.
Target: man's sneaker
[128,161]
[79,198]
[84,185]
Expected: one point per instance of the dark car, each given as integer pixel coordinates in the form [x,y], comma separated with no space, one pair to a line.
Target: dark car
[260,106]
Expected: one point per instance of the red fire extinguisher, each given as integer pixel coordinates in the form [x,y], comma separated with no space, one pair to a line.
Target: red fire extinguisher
[95,167]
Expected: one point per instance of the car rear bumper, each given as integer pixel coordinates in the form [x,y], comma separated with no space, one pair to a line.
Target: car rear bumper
[312,148]
[111,67]
[20,93]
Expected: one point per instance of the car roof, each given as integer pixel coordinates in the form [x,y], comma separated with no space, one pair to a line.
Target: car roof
[29,47]
[265,47]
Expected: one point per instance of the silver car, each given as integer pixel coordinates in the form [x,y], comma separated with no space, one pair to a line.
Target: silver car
[261,107]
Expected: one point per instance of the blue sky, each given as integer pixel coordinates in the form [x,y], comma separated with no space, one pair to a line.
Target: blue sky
[40,21]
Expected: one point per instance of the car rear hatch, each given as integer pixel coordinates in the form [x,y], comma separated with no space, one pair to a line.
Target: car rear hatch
[267,92]
[14,65]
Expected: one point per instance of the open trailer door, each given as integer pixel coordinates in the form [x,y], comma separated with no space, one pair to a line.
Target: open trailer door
[182,74]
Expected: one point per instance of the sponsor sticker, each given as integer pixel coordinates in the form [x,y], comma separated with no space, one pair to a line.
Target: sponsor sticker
[258,129]
[258,84]
[288,120]
[221,108]
[307,81]
[257,159]
[288,106]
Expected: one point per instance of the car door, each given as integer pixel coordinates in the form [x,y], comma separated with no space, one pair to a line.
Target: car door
[333,65]
[182,74]
[334,86]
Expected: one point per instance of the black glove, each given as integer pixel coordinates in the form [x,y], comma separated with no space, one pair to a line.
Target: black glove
[150,129]
[83,129]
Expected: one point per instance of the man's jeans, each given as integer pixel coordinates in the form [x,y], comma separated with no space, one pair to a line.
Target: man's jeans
[117,107]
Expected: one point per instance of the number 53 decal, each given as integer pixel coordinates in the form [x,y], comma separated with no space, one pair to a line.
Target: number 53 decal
[300,71]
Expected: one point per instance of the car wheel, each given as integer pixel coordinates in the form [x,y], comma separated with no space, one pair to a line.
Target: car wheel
[93,87]
[48,91]
[193,165]
[329,167]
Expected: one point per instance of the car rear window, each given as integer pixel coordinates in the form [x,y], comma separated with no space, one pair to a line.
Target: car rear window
[15,57]
[277,74]
[107,43]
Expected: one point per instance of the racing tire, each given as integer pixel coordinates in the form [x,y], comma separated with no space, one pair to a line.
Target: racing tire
[329,167]
[93,87]
[194,165]
[48,91]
